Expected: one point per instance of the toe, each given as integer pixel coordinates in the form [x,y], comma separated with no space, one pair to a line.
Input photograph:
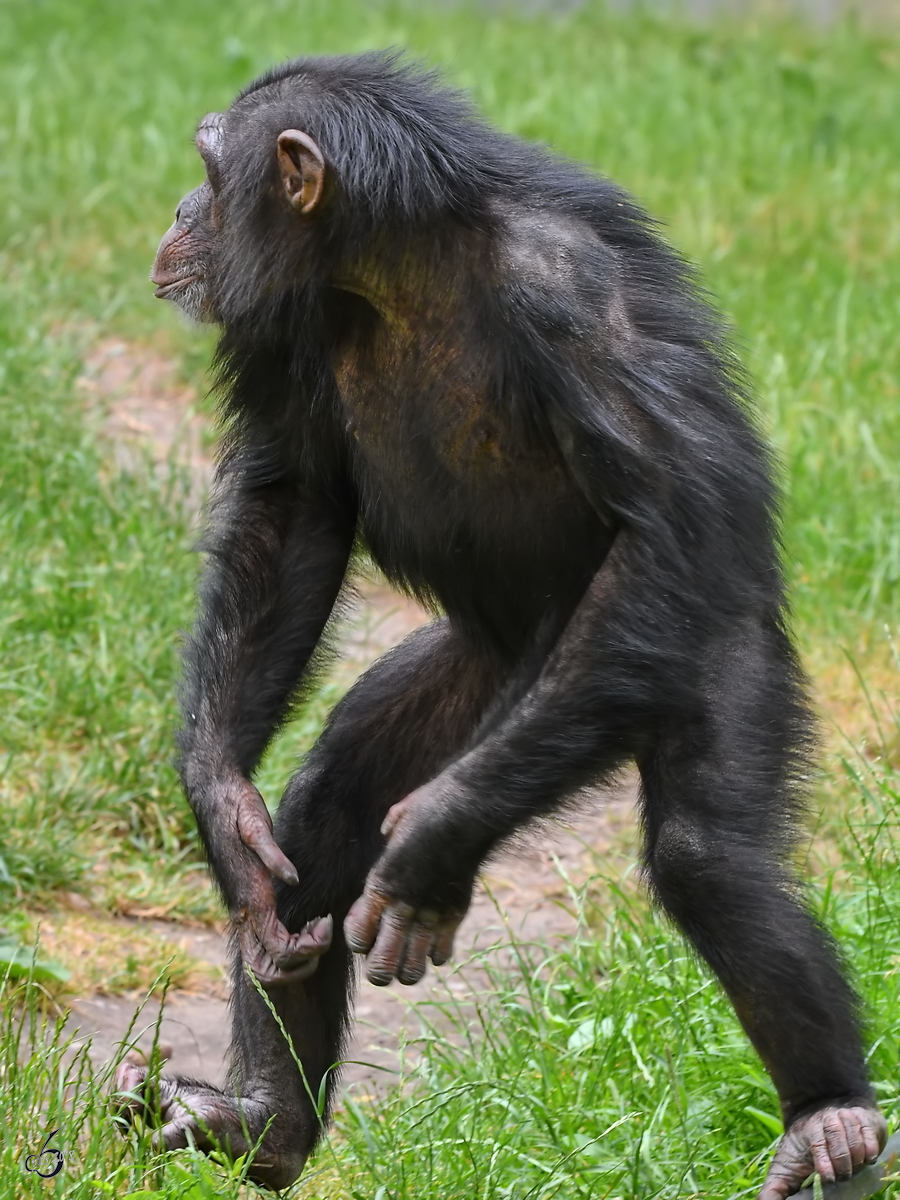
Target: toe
[127,1099]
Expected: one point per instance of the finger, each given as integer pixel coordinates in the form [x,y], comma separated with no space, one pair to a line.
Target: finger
[266,970]
[260,840]
[291,949]
[386,955]
[442,947]
[856,1146]
[818,1146]
[836,1135]
[362,921]
[269,968]
[874,1131]
[395,815]
[775,1189]
[414,962]
[820,1140]
[277,956]
[315,937]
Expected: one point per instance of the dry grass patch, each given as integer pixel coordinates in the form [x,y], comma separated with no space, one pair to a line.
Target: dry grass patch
[120,957]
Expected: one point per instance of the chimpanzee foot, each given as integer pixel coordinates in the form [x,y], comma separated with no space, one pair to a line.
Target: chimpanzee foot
[832,1142]
[192,1113]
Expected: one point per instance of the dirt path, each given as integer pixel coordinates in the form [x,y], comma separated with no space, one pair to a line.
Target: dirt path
[522,890]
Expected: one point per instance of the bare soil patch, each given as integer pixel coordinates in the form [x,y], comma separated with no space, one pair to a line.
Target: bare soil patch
[146,412]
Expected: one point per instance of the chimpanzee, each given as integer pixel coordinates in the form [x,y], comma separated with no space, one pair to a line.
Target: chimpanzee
[479,362]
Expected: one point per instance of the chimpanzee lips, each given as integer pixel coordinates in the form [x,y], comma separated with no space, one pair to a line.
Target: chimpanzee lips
[166,289]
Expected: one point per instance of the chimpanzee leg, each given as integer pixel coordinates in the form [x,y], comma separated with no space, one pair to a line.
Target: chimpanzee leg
[720,809]
[404,719]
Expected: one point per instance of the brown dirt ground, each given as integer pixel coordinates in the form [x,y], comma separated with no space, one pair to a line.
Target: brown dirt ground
[149,418]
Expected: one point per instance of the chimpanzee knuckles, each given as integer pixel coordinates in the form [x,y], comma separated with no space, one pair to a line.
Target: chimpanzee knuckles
[302,170]
[396,938]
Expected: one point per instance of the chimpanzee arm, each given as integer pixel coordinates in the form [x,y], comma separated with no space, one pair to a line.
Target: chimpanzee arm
[653,436]
[278,552]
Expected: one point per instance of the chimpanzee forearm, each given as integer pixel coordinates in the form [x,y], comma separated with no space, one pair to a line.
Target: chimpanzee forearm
[277,561]
[576,721]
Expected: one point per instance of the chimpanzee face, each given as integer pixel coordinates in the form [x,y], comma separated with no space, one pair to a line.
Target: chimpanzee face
[183,269]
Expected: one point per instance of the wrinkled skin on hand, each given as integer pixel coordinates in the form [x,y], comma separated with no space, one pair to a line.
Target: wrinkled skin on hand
[272,953]
[834,1142]
[398,937]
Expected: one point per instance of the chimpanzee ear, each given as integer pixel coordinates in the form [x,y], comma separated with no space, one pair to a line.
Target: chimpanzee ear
[302,169]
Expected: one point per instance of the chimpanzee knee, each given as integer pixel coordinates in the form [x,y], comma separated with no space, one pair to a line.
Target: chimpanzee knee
[681,859]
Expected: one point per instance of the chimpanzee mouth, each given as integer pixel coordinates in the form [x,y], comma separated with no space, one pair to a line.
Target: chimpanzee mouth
[165,291]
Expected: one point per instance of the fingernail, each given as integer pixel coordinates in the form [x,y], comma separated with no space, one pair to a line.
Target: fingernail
[321,929]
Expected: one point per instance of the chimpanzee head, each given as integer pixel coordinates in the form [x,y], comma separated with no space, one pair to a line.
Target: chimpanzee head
[192,263]
[314,163]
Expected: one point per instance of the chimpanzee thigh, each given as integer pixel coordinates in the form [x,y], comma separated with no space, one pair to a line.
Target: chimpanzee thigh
[720,797]
[413,711]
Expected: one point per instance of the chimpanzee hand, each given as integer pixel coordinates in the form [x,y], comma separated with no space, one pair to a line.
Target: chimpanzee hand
[834,1142]
[395,934]
[273,954]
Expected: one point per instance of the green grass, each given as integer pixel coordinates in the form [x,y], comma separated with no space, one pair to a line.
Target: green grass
[772,153]
[614,1068]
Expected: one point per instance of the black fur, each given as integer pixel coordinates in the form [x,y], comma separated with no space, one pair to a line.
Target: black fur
[480,361]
